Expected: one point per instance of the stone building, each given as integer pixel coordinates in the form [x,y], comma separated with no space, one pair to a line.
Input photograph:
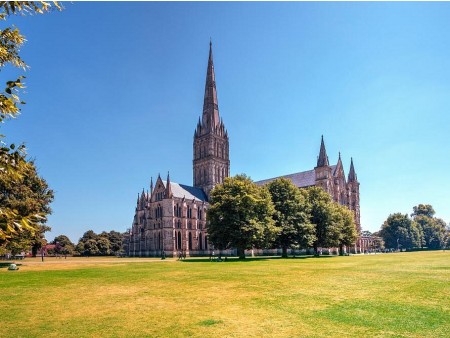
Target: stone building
[171,217]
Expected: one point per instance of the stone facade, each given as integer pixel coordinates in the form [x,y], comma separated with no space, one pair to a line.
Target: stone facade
[171,217]
[330,178]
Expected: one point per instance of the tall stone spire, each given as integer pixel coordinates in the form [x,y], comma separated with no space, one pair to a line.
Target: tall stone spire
[352,175]
[210,118]
[322,161]
[168,191]
[211,163]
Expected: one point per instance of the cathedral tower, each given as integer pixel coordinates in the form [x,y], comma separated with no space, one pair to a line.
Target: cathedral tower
[353,195]
[323,171]
[211,162]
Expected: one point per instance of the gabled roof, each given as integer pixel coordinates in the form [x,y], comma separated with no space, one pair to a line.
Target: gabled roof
[302,179]
[181,190]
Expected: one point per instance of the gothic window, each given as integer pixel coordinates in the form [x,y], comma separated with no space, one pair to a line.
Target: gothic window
[204,176]
[190,241]
[179,224]
[179,240]
[189,225]
[200,242]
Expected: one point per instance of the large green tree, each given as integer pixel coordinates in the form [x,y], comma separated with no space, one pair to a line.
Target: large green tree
[324,218]
[28,196]
[433,229]
[400,231]
[13,165]
[291,215]
[345,220]
[240,215]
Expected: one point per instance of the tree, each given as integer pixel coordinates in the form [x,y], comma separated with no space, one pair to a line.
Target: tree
[13,165]
[323,217]
[433,228]
[291,215]
[29,197]
[106,243]
[345,219]
[423,210]
[65,245]
[399,231]
[240,215]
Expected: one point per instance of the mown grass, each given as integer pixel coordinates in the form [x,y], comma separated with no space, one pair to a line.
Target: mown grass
[384,295]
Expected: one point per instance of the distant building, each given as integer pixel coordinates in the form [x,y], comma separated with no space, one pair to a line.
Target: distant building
[171,217]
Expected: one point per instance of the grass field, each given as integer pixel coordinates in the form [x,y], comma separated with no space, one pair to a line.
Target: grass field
[383,295]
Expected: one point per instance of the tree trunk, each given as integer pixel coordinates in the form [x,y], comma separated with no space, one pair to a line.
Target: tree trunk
[341,250]
[284,253]
[316,251]
[241,253]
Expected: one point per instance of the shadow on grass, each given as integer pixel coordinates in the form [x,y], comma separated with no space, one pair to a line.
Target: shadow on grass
[7,264]
[226,259]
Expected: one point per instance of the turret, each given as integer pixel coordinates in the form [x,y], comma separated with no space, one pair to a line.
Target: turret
[168,192]
[324,176]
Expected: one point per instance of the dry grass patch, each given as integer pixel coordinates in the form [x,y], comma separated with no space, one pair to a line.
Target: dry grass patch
[390,295]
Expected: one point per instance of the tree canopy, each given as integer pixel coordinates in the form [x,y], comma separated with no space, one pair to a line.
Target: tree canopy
[240,215]
[14,168]
[28,197]
[103,244]
[291,215]
[433,229]
[400,231]
[324,217]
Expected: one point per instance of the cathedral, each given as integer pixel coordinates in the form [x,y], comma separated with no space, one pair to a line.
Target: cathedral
[170,218]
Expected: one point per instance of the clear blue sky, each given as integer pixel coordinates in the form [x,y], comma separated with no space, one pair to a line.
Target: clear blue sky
[115,91]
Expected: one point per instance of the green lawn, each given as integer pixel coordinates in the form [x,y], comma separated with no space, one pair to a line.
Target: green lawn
[383,295]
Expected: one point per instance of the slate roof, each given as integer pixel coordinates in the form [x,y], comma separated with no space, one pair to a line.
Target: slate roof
[302,179]
[182,190]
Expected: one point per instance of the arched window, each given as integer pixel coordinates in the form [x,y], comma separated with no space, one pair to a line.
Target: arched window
[200,242]
[190,241]
[179,240]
